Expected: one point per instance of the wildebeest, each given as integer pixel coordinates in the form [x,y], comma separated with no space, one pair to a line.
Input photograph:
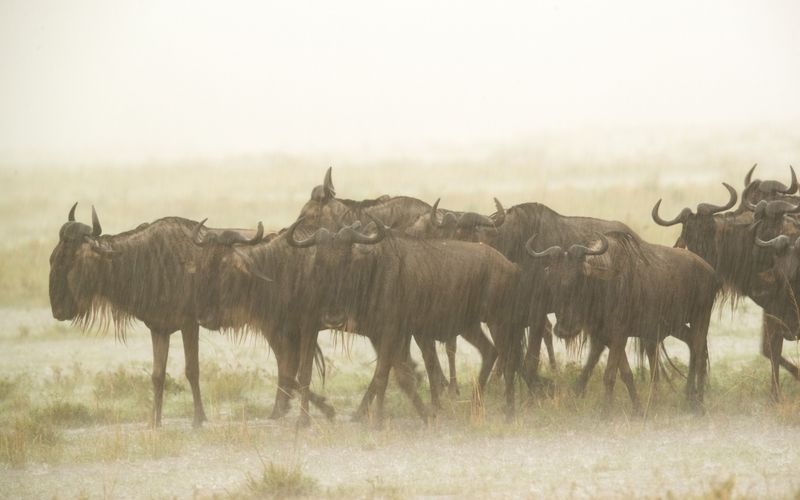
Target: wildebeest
[139,274]
[390,286]
[775,288]
[509,234]
[325,210]
[757,190]
[624,287]
[469,226]
[231,294]
[725,240]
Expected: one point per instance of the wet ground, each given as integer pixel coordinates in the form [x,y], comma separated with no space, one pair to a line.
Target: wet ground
[543,454]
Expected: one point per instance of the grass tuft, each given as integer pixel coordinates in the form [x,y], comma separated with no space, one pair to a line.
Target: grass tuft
[281,481]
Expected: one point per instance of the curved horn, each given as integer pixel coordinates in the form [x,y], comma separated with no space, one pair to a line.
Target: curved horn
[259,235]
[327,184]
[583,251]
[779,243]
[71,216]
[746,196]
[433,220]
[550,252]
[500,215]
[196,234]
[661,222]
[97,230]
[792,184]
[748,177]
[709,209]
[371,240]
[308,242]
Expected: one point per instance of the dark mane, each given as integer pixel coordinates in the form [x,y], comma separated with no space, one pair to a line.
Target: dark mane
[146,278]
[550,228]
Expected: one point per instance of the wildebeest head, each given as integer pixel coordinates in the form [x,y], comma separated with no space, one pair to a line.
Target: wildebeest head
[568,276]
[335,252]
[757,190]
[224,274]
[76,266]
[774,289]
[320,196]
[445,224]
[699,227]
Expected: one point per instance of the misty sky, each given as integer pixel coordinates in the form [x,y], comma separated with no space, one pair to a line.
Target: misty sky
[103,81]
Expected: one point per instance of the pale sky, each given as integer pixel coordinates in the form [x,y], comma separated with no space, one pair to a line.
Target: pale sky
[106,81]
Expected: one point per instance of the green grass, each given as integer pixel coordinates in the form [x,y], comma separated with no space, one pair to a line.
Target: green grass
[281,481]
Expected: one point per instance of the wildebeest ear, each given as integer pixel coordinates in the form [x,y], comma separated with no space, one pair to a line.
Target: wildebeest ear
[246,264]
[101,249]
[597,270]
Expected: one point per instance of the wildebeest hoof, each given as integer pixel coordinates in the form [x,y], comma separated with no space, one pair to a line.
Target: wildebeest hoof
[303,421]
[328,411]
[453,390]
[579,390]
[698,408]
[279,412]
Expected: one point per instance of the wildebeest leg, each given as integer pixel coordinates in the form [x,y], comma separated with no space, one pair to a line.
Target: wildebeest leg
[160,353]
[287,355]
[191,340]
[533,354]
[772,348]
[596,348]
[369,394]
[308,344]
[451,346]
[388,354]
[435,373]
[508,341]
[531,375]
[475,336]
[547,335]
[427,346]
[404,374]
[790,367]
[699,350]
[616,350]
[317,399]
[626,375]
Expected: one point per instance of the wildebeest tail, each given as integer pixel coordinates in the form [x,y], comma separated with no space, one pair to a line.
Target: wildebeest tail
[671,364]
[319,361]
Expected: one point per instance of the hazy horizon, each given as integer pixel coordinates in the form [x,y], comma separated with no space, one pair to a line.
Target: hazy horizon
[103,82]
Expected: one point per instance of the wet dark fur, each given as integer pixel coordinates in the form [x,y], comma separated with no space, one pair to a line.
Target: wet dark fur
[637,289]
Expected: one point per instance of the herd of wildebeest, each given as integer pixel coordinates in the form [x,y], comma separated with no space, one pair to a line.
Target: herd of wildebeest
[396,268]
